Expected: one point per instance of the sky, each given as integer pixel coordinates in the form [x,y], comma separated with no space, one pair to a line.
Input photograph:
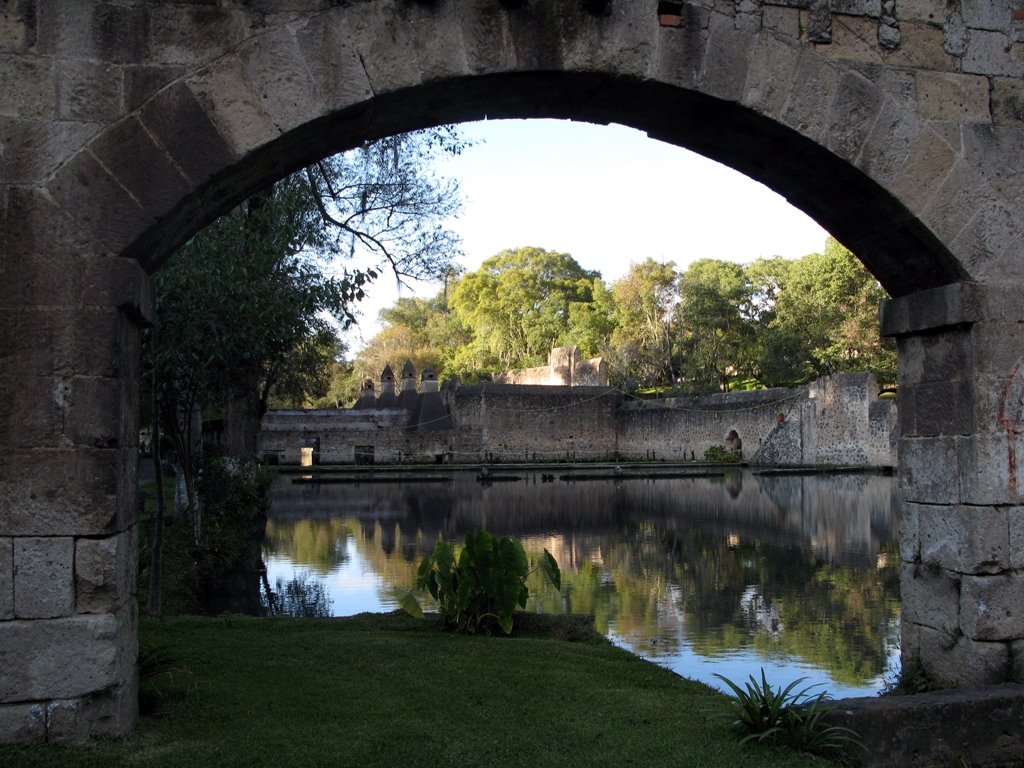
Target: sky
[607,195]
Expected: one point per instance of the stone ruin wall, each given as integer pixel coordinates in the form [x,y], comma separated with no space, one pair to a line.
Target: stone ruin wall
[565,368]
[837,420]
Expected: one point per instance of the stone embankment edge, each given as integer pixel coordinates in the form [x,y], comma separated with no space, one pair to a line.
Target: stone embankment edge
[978,727]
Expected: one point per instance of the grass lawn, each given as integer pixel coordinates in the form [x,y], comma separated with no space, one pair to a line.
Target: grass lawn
[388,690]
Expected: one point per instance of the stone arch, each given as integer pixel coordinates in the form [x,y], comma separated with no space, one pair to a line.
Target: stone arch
[133,125]
[734,443]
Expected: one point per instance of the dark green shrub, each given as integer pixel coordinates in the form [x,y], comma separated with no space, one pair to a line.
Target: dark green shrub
[719,453]
[759,712]
[478,588]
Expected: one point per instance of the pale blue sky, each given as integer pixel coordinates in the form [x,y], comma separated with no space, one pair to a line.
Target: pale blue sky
[609,196]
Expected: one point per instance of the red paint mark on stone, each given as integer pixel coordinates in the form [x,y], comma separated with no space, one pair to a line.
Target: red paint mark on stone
[1018,14]
[1009,421]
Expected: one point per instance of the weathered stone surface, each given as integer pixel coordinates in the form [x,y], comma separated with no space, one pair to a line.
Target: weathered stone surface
[143,81]
[67,658]
[275,65]
[989,242]
[937,728]
[945,307]
[772,66]
[141,167]
[333,62]
[931,597]
[22,723]
[785,21]
[910,532]
[88,91]
[814,79]
[6,579]
[193,36]
[1015,517]
[992,607]
[33,149]
[1017,655]
[854,111]
[929,162]
[922,46]
[988,54]
[726,60]
[109,713]
[987,475]
[929,470]
[184,129]
[30,87]
[952,97]
[44,582]
[387,49]
[105,571]
[967,540]
[937,408]
[852,40]
[962,662]
[956,35]
[66,492]
[1007,100]
[87,193]
[33,415]
[983,14]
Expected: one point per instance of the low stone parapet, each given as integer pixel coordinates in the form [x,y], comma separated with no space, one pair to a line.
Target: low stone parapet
[979,727]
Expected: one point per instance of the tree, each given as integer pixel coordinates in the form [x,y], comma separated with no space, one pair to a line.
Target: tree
[645,301]
[592,323]
[714,319]
[517,307]
[252,303]
[822,318]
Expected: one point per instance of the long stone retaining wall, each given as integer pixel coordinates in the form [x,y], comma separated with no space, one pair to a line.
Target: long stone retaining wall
[837,420]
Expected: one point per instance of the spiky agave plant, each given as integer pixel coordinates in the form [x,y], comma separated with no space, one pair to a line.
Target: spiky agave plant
[759,712]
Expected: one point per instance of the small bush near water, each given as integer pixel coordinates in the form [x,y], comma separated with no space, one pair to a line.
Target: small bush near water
[719,453]
[761,713]
[478,588]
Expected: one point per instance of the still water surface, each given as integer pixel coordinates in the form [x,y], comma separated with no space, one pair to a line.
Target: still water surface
[798,575]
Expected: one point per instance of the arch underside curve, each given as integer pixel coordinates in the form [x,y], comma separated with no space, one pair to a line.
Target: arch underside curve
[898,249]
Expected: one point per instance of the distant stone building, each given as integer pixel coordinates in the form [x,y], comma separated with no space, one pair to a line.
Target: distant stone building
[565,368]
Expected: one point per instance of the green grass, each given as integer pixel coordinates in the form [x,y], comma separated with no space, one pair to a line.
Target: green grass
[387,690]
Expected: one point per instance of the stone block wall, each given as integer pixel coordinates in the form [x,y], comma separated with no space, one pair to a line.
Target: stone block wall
[830,422]
[69,506]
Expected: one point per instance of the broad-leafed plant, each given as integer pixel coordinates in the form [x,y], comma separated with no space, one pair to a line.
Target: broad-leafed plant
[478,587]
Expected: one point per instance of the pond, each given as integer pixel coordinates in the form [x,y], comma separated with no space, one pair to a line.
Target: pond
[723,572]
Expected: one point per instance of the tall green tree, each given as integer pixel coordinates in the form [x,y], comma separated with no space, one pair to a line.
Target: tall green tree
[517,307]
[645,304]
[822,318]
[715,307]
[254,301]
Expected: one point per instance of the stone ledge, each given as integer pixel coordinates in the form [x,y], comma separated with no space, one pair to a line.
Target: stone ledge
[947,306]
[984,726]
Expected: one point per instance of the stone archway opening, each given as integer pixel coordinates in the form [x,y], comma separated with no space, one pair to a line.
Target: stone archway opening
[734,444]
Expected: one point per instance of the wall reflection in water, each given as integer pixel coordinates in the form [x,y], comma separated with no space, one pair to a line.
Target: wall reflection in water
[727,574]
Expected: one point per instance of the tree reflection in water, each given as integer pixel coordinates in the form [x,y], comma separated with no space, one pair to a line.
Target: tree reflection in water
[703,574]
[301,596]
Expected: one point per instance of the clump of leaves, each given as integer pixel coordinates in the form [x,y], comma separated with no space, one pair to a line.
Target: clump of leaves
[759,712]
[719,453]
[912,678]
[160,675]
[478,588]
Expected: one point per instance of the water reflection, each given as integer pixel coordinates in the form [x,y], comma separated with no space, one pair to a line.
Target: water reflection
[725,574]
